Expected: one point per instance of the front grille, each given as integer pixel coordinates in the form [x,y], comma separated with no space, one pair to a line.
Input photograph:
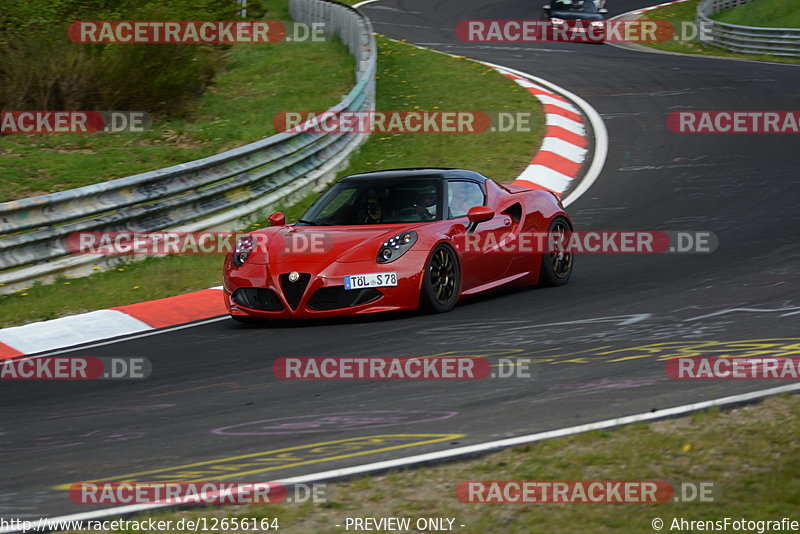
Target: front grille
[293,291]
[336,297]
[257,298]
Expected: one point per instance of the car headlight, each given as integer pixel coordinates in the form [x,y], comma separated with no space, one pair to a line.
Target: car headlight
[598,23]
[244,247]
[396,246]
[557,21]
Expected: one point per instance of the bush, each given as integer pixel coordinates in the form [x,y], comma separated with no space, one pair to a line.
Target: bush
[40,69]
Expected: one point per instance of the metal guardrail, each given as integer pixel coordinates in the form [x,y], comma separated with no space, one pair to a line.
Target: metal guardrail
[209,193]
[744,39]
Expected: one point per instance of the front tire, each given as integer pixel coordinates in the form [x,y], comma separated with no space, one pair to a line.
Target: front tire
[441,282]
[557,266]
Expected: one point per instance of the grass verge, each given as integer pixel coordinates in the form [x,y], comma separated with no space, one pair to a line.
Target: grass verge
[257,82]
[749,452]
[408,79]
[686,12]
[764,13]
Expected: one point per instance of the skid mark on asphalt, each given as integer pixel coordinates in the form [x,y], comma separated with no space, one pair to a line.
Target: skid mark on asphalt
[637,168]
[603,384]
[683,324]
[785,311]
[49,443]
[314,423]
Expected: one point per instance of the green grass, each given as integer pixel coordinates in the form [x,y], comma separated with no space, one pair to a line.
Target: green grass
[686,12]
[257,82]
[413,79]
[750,453]
[765,13]
[408,78]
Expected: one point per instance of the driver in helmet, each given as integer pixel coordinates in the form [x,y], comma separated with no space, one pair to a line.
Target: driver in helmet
[426,204]
[374,211]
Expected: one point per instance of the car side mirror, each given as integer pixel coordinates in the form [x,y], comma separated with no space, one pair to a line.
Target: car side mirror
[479,214]
[277,219]
[602,11]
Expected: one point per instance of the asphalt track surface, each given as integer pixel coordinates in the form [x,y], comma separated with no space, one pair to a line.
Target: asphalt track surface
[745,188]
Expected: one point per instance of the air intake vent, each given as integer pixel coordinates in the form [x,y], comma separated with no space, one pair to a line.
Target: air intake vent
[293,291]
[257,298]
[336,297]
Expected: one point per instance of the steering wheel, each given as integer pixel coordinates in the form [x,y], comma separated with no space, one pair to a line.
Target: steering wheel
[408,211]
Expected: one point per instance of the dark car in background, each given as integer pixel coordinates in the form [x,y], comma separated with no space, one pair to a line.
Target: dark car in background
[583,21]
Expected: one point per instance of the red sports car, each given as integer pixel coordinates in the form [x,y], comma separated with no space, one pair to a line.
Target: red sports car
[396,240]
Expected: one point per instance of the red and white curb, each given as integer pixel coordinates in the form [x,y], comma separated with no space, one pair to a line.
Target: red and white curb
[640,11]
[554,168]
[563,150]
[106,324]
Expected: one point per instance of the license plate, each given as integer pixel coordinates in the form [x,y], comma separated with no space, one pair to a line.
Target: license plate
[360,281]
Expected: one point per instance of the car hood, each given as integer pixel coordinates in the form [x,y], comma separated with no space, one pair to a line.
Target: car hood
[290,244]
[576,15]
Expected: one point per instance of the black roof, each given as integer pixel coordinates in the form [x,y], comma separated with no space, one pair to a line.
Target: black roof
[420,172]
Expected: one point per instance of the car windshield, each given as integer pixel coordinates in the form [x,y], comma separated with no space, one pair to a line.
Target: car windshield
[378,201]
[581,6]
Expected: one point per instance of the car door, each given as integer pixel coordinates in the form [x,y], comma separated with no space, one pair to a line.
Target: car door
[484,258]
